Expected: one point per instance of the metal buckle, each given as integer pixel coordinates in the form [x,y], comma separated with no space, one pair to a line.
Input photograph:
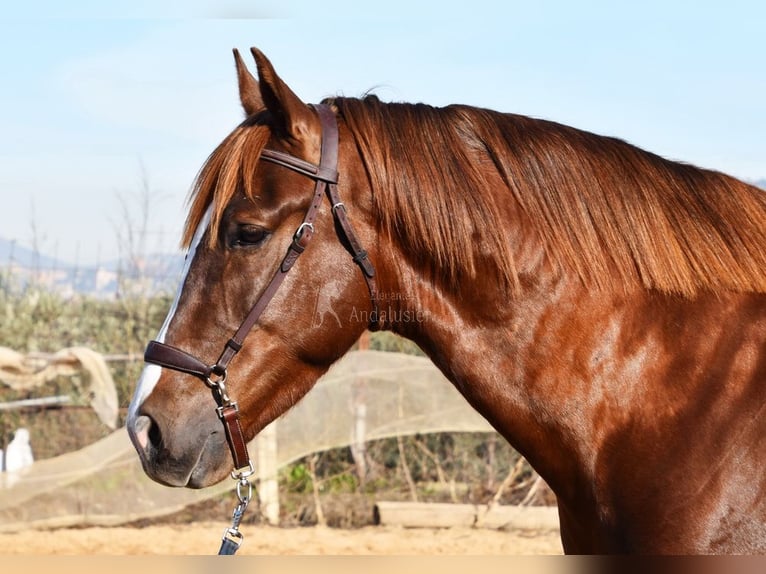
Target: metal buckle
[338,206]
[301,227]
[227,405]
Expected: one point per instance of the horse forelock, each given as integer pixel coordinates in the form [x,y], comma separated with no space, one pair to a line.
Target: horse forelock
[228,170]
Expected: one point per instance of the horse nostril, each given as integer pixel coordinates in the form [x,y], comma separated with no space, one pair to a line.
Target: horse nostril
[146,431]
[155,436]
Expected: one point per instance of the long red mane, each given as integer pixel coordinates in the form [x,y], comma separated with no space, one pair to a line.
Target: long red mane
[606,211]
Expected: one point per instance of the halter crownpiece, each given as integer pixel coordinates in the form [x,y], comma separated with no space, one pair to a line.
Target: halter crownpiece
[214,376]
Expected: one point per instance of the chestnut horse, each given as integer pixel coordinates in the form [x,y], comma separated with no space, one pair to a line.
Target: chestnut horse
[601,306]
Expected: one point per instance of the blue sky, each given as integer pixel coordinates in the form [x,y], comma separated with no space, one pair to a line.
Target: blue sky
[91,97]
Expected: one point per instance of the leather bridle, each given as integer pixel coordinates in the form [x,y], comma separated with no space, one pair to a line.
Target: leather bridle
[214,376]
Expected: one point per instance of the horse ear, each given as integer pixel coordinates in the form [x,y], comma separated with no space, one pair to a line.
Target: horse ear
[249,92]
[292,115]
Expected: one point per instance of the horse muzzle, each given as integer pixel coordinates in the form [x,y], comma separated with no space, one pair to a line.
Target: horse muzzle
[178,453]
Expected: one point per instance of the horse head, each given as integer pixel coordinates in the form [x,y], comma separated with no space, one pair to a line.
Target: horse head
[259,198]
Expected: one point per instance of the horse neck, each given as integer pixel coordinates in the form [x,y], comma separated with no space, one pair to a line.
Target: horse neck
[566,374]
[558,366]
[485,345]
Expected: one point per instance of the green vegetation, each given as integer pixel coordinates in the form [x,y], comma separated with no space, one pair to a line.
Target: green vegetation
[457,467]
[35,320]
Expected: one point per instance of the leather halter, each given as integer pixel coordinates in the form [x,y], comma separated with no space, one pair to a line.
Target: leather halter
[214,376]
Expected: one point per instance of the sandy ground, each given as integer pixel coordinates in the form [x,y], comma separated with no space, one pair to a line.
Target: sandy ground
[204,538]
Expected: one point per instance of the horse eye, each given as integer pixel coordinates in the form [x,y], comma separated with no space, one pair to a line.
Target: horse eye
[248,236]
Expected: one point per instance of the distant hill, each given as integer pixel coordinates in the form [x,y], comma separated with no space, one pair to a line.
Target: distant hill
[154,273]
[11,251]
[760,183]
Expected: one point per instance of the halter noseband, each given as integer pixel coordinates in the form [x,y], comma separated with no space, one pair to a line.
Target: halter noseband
[214,376]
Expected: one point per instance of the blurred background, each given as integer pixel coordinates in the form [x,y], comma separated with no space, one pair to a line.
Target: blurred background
[108,112]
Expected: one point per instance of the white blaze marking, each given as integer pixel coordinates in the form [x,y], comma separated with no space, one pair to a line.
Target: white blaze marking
[151,373]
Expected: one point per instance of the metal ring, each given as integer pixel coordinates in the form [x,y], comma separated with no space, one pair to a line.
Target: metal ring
[218,371]
[249,496]
[214,370]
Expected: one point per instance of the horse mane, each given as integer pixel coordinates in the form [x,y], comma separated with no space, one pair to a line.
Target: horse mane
[612,214]
[605,211]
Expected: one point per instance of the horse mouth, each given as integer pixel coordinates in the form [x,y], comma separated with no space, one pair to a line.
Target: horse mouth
[195,476]
[201,474]
[195,469]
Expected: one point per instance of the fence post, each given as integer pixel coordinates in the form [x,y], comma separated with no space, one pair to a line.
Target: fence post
[268,490]
[359,405]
